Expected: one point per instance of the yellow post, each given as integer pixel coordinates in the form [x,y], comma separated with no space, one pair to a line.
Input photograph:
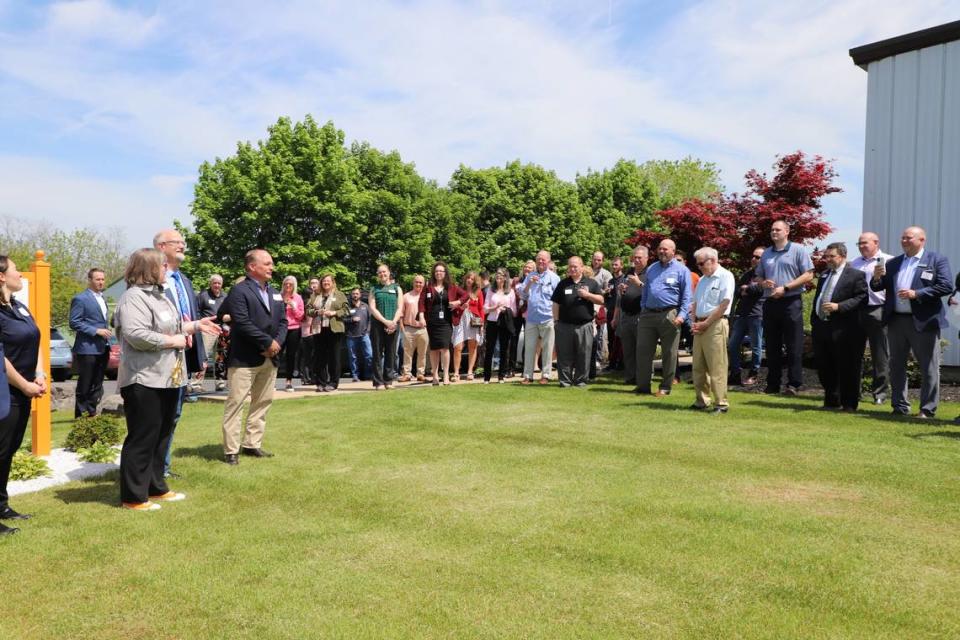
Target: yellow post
[40,304]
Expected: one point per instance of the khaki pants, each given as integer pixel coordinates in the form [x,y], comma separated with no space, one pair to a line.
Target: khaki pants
[710,364]
[258,383]
[415,339]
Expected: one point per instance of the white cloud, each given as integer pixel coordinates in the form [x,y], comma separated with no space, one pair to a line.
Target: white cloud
[98,20]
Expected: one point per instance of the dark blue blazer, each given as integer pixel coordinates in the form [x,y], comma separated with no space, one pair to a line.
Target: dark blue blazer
[931,280]
[253,326]
[196,355]
[85,319]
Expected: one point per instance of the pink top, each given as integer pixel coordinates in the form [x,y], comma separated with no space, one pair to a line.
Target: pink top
[295,312]
[496,299]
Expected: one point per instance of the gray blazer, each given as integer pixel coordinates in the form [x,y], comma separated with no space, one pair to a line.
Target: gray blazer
[144,319]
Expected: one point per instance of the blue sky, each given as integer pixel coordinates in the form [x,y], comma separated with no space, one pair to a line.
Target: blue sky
[108,108]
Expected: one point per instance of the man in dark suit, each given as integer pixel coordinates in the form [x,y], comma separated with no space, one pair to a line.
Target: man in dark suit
[91,347]
[179,290]
[258,326]
[837,337]
[914,282]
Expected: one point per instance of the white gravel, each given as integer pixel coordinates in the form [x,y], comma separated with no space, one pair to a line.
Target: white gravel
[66,467]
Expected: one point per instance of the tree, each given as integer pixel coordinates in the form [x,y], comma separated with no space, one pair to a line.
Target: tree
[676,181]
[520,209]
[736,224]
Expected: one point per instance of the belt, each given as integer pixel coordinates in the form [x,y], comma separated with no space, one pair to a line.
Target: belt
[874,306]
[658,309]
[630,313]
[702,318]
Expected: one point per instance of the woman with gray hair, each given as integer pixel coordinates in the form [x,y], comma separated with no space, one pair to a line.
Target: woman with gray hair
[153,368]
[295,311]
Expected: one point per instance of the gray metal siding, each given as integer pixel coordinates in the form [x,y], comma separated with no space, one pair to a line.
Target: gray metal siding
[912,156]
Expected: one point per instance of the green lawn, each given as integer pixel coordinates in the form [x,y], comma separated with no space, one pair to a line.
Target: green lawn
[412,514]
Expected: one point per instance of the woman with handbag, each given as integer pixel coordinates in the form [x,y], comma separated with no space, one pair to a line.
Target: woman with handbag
[501,309]
[22,379]
[327,308]
[468,327]
[153,367]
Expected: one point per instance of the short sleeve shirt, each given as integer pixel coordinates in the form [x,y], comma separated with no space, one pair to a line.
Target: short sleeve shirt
[713,290]
[784,266]
[573,308]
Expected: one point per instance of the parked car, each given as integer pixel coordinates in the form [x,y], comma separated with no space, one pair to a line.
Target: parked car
[61,357]
[113,365]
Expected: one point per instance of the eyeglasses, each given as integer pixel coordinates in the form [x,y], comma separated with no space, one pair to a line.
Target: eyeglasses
[178,242]
[756,257]
[700,263]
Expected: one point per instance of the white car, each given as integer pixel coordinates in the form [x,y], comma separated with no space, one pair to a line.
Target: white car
[61,357]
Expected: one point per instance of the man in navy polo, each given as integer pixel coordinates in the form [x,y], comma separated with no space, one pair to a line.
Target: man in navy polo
[666,300]
[784,270]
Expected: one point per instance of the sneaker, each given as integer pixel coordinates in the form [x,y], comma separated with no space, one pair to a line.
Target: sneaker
[170,496]
[502,381]
[718,410]
[221,386]
[140,506]
[486,382]
[354,379]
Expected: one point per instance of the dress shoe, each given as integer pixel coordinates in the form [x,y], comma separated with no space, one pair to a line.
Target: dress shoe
[750,381]
[7,531]
[9,514]
[231,458]
[772,391]
[718,410]
[661,393]
[256,453]
[900,412]
[140,506]
[421,379]
[170,496]
[699,407]
[925,414]
[791,392]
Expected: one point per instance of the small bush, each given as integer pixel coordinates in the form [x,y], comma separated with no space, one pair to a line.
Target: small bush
[98,452]
[89,430]
[27,467]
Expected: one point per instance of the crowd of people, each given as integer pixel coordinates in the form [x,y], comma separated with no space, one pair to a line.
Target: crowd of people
[628,317]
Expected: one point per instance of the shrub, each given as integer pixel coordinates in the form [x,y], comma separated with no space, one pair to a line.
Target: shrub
[27,467]
[88,430]
[98,452]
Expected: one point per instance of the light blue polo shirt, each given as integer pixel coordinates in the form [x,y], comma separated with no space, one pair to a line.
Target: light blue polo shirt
[539,298]
[784,266]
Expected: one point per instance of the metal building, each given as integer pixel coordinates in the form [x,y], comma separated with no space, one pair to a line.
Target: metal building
[912,160]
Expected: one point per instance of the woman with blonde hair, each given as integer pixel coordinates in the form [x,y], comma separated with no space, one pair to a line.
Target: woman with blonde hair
[468,325]
[293,303]
[153,368]
[22,379]
[327,307]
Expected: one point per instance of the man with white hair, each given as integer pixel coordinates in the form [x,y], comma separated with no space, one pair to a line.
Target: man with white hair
[537,290]
[209,302]
[709,314]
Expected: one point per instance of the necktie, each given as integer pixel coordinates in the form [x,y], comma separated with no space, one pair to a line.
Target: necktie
[826,294]
[182,300]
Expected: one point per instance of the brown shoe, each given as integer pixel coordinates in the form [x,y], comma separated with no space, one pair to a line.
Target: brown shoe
[421,379]
[661,393]
[405,378]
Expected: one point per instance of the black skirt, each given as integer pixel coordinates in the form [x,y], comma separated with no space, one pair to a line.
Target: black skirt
[440,333]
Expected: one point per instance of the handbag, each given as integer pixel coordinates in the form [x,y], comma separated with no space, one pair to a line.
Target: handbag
[476,321]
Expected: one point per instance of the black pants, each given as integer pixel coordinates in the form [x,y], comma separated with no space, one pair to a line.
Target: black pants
[384,353]
[306,359]
[497,335]
[291,348]
[151,417]
[839,353]
[514,344]
[90,372]
[783,326]
[12,429]
[327,363]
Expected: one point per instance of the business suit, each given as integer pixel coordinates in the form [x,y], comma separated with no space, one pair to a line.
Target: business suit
[838,341]
[254,325]
[916,330]
[91,351]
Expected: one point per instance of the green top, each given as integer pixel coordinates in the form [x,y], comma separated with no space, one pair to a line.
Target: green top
[386,298]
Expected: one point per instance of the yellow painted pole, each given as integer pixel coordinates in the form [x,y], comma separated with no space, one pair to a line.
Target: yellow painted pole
[40,304]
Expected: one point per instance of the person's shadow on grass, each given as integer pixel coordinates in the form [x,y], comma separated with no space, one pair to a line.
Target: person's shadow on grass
[953,435]
[205,452]
[102,490]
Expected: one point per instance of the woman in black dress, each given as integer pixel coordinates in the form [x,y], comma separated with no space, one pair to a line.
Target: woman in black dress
[20,337]
[437,302]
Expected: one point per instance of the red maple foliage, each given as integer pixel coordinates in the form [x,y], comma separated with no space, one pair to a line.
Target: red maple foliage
[736,224]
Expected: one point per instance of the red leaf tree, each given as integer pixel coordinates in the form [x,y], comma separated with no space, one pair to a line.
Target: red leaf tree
[736,224]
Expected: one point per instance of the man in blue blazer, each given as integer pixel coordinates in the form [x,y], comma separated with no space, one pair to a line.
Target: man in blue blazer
[89,319]
[179,290]
[914,283]
[258,327]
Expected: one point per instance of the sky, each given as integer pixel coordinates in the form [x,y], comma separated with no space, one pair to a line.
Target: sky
[108,108]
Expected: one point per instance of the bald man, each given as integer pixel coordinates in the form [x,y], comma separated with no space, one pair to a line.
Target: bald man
[914,283]
[871,314]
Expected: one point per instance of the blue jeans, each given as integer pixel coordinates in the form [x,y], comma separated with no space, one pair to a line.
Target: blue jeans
[357,347]
[176,419]
[742,325]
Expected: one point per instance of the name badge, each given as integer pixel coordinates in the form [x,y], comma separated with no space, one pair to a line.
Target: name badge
[353,312]
[210,303]
[440,315]
[24,311]
[278,297]
[926,275]
[568,292]
[670,280]
[429,295]
[164,316]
